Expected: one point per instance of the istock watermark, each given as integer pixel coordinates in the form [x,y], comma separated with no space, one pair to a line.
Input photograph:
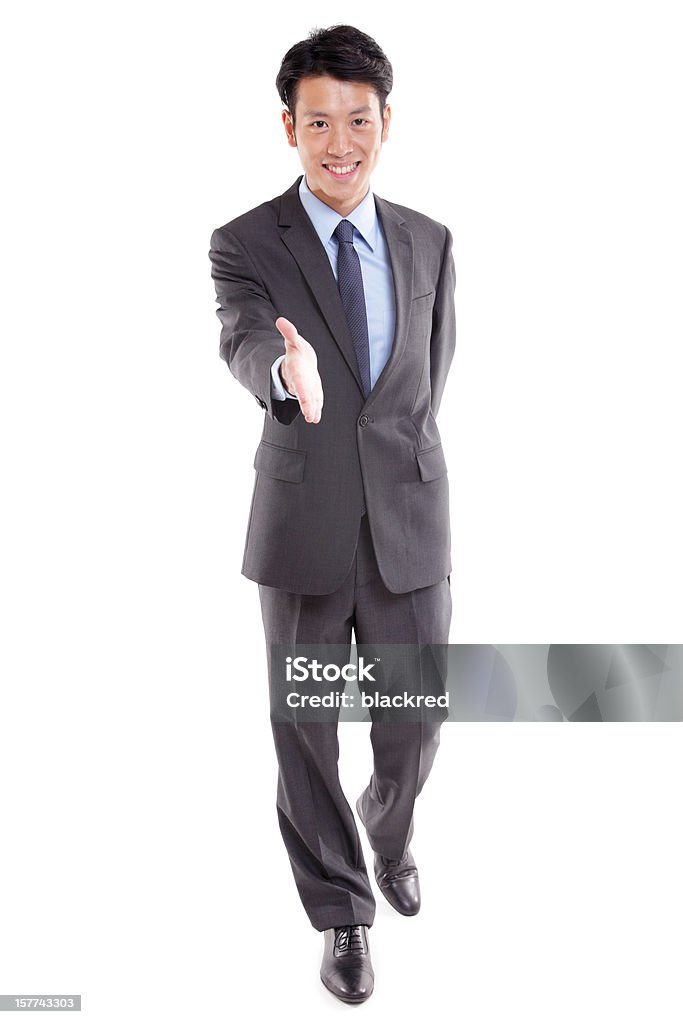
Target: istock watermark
[300,669]
[476,682]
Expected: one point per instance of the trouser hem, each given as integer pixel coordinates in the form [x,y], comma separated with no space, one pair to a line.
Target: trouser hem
[322,924]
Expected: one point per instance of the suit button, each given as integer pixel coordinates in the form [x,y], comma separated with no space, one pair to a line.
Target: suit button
[363,421]
[261,402]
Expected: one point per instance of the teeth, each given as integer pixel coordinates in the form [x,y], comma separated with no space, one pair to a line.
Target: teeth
[341,170]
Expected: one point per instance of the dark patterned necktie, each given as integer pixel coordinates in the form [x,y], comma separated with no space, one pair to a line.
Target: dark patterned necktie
[350,281]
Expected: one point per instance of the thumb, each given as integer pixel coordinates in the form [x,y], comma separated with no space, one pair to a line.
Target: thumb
[287,329]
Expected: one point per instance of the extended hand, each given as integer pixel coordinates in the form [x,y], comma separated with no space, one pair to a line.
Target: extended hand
[299,371]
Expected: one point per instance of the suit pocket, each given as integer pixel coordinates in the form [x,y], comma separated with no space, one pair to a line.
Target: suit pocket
[431,463]
[280,463]
[422,304]
[421,309]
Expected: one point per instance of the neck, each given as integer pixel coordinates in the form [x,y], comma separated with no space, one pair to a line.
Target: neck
[341,206]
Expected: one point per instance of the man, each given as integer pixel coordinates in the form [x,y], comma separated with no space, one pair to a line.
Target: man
[337,314]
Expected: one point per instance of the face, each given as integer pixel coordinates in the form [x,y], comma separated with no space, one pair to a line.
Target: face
[338,128]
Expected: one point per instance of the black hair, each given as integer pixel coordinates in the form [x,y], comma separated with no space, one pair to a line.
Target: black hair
[340,51]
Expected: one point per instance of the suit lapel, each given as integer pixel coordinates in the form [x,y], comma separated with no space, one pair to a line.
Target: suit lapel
[400,246]
[303,242]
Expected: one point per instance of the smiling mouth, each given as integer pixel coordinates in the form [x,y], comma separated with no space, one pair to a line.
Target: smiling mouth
[342,170]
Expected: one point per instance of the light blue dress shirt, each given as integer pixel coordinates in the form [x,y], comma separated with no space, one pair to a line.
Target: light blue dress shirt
[378,281]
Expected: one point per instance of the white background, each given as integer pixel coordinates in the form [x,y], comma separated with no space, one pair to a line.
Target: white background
[140,860]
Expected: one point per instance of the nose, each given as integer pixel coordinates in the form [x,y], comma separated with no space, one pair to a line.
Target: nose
[339,144]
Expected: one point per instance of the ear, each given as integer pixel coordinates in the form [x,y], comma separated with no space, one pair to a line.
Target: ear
[289,127]
[385,125]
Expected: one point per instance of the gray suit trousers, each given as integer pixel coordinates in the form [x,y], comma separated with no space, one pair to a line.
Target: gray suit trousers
[316,821]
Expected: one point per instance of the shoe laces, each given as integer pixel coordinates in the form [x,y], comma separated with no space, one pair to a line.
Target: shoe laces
[349,939]
[396,869]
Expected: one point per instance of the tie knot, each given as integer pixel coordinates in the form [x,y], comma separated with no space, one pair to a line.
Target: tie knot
[344,231]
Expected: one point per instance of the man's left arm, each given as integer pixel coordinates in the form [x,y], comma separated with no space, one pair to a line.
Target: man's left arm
[442,345]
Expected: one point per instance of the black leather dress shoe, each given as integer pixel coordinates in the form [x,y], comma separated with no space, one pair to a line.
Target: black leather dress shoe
[346,970]
[398,880]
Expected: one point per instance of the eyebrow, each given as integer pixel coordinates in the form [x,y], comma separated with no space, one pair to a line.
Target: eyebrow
[321,113]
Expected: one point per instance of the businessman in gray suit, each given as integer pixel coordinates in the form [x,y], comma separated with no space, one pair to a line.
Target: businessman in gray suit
[337,314]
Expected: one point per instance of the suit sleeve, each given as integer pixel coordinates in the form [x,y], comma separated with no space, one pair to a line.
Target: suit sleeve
[442,346]
[249,341]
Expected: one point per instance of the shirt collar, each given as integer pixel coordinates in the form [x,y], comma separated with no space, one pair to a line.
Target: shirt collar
[325,219]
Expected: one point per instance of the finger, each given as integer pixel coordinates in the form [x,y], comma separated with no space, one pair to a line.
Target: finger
[313,413]
[310,401]
[305,404]
[287,329]
[315,410]
[304,396]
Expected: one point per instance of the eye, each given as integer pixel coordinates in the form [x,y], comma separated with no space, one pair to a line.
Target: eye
[363,120]
[314,123]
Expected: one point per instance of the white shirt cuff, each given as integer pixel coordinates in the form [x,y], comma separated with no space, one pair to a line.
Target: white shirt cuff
[277,388]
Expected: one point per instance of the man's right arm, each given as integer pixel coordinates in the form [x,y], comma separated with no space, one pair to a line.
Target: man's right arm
[250,342]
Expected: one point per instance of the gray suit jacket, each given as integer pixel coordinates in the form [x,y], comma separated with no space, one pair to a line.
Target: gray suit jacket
[311,477]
